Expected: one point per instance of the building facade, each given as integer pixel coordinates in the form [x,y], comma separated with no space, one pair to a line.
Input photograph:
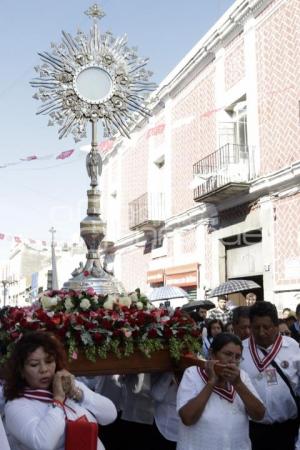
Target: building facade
[208,188]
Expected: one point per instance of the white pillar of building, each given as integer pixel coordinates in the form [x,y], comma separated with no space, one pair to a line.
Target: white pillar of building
[252,94]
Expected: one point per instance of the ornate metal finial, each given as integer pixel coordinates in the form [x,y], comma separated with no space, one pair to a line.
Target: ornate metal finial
[95,12]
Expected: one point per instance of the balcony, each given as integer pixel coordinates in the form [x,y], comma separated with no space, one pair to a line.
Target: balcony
[147,211]
[222,174]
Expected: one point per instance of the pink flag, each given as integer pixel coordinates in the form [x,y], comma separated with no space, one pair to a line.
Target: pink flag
[105,146]
[211,112]
[17,239]
[2,236]
[65,154]
[158,129]
[29,158]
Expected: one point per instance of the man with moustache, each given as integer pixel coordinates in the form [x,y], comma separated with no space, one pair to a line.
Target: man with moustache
[273,363]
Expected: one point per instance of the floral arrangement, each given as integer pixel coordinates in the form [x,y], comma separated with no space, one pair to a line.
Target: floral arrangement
[118,324]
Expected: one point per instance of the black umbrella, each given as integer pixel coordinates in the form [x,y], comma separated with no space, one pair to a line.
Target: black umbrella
[196,304]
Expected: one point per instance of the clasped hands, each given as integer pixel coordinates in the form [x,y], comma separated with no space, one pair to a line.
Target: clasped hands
[227,372]
[64,386]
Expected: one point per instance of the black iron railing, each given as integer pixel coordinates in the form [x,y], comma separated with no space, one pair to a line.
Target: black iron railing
[228,164]
[149,207]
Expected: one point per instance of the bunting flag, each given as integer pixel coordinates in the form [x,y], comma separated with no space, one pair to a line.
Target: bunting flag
[29,158]
[105,146]
[65,154]
[16,240]
[158,129]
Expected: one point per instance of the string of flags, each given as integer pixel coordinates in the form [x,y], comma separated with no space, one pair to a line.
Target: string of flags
[103,147]
[63,155]
[106,145]
[37,243]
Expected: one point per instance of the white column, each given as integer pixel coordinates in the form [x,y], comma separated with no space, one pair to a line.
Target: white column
[221,115]
[168,159]
[251,92]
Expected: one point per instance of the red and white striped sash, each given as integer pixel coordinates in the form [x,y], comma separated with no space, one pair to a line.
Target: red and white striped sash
[227,394]
[43,395]
[38,394]
[262,363]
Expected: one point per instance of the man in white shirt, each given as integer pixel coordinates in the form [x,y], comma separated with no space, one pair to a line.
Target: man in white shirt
[266,354]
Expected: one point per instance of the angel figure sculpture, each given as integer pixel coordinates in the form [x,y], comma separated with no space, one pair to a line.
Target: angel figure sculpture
[94,166]
[78,270]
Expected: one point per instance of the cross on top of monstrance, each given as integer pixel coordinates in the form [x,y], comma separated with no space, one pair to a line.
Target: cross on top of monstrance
[95,12]
[92,78]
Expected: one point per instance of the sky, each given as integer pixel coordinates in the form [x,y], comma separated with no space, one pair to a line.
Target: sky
[36,195]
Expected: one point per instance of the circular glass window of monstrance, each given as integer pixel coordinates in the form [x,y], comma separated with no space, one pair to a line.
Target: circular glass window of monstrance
[93,84]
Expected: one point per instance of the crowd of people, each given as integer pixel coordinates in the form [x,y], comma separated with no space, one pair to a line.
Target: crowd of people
[242,392]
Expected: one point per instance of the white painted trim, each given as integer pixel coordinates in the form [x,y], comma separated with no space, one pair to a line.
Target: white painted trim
[274,179]
[286,287]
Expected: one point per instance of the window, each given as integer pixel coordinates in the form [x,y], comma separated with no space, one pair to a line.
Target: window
[233,130]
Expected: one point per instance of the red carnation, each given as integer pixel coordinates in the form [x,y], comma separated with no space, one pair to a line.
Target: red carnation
[167,332]
[98,337]
[152,333]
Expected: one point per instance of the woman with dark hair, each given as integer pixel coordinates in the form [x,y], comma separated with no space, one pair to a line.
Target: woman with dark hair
[214,327]
[41,393]
[214,402]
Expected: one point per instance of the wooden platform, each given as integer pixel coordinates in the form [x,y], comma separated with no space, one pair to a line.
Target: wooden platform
[160,361]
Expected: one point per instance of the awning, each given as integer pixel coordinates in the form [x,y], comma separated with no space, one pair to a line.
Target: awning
[155,276]
[186,275]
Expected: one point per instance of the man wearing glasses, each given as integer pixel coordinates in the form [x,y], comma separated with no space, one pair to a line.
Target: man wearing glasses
[273,363]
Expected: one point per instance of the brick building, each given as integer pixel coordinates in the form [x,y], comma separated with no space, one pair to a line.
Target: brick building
[208,188]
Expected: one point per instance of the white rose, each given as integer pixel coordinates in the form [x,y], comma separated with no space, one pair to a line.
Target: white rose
[139,305]
[113,298]
[134,297]
[150,306]
[68,304]
[55,300]
[109,303]
[46,302]
[85,304]
[125,301]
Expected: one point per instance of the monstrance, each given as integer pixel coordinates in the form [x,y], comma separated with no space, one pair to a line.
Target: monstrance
[91,78]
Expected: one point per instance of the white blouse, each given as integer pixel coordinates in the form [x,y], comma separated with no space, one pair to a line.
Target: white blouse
[222,426]
[164,392]
[36,425]
[3,438]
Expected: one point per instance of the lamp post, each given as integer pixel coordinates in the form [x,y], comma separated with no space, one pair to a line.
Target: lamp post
[6,283]
[54,278]
[93,78]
